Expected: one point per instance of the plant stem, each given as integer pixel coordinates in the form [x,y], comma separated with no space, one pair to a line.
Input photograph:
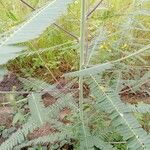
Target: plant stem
[82,49]
[82,33]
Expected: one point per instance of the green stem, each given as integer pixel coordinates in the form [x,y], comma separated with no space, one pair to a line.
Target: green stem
[82,49]
[82,32]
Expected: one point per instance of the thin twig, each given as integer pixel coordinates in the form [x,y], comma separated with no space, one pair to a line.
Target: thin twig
[86,37]
[19,101]
[132,86]
[27,4]
[66,31]
[29,92]
[94,8]
[147,47]
[58,26]
[118,142]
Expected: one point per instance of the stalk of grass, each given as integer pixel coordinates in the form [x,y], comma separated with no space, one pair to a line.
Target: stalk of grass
[82,49]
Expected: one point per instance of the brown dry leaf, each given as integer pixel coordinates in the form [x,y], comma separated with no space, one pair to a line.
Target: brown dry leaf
[6,116]
[63,113]
[142,95]
[6,120]
[7,110]
[48,99]
[86,90]
[62,82]
[9,82]
[43,131]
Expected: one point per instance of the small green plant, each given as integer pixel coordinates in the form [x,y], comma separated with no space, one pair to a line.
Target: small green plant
[87,112]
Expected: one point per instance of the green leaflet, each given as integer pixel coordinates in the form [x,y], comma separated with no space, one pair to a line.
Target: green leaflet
[3,71]
[140,108]
[35,84]
[38,113]
[9,53]
[90,71]
[38,22]
[39,116]
[32,28]
[94,141]
[19,136]
[100,37]
[122,119]
[45,139]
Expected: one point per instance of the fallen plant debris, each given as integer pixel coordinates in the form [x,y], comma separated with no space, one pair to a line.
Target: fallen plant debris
[142,95]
